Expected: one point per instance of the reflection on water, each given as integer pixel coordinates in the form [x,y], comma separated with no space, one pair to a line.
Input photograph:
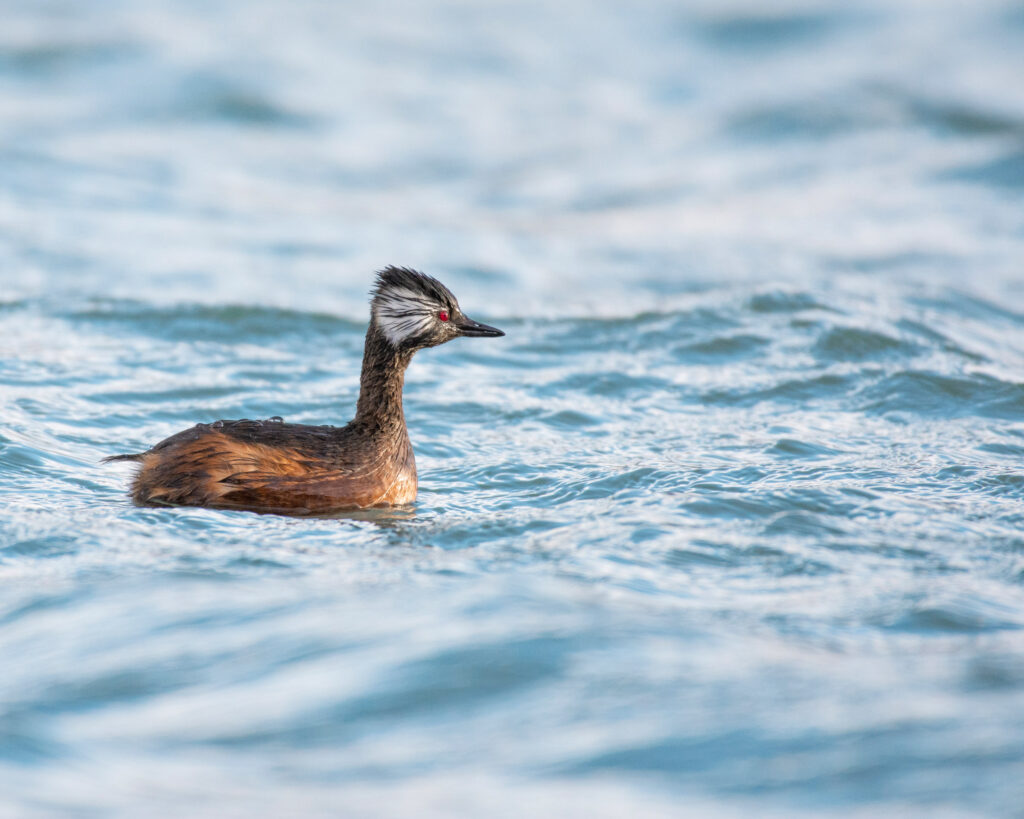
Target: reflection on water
[730,519]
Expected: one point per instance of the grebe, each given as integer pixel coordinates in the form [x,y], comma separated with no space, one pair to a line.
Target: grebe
[271,466]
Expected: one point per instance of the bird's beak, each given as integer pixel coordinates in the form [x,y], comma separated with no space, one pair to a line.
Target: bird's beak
[468,327]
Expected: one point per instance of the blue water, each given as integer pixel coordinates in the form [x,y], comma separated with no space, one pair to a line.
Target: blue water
[729,524]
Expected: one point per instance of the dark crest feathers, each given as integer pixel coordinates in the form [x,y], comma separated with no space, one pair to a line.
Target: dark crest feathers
[406,277]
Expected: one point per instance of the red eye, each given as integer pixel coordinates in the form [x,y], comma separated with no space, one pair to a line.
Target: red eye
[443,315]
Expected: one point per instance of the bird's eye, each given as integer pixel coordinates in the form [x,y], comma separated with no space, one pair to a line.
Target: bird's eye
[443,315]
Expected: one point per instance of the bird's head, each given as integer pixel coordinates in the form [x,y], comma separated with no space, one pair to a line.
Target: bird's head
[413,310]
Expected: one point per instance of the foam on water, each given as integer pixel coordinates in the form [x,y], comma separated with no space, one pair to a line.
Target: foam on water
[730,520]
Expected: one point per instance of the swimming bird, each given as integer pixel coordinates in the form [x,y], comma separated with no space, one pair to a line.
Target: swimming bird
[272,466]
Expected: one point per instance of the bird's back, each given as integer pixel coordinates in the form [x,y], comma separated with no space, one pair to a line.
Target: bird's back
[270,466]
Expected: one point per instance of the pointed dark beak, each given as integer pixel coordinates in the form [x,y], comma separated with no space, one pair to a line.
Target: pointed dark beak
[468,327]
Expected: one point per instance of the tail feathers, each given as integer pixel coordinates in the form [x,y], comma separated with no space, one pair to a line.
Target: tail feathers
[137,456]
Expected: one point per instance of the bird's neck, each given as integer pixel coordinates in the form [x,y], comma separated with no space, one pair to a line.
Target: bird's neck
[379,408]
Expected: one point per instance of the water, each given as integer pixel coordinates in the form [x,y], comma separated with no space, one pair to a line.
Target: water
[729,523]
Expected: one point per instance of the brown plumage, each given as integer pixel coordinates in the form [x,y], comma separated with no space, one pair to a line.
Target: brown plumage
[271,466]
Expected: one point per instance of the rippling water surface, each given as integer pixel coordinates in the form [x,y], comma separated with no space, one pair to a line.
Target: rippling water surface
[729,523]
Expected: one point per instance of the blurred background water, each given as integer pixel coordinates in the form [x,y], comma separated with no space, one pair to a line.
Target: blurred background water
[729,523]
